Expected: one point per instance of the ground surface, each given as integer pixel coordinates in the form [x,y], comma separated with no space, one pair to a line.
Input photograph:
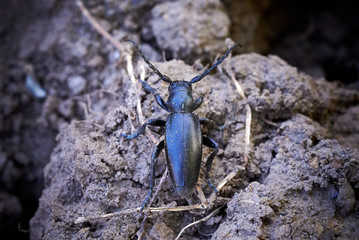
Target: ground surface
[302,180]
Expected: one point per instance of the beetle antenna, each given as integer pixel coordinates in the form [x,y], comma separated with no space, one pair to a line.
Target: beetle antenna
[155,70]
[199,78]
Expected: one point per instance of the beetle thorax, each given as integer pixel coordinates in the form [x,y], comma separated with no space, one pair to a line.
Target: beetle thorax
[180,98]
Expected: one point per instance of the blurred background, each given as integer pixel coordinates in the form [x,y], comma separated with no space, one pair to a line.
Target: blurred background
[50,57]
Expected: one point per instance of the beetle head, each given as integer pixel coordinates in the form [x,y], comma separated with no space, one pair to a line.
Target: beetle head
[180,98]
[180,86]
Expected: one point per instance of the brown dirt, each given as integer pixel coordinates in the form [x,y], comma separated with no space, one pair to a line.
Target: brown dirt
[302,181]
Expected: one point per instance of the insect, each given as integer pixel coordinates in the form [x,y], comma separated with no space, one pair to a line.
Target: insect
[183,138]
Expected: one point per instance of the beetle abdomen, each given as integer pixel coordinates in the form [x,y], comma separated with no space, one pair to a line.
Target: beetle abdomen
[184,150]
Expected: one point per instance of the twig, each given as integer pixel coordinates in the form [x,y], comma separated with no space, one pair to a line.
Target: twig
[109,215]
[175,209]
[198,221]
[231,175]
[143,72]
[225,180]
[201,195]
[164,175]
[141,231]
[295,228]
[132,210]
[141,120]
[136,86]
[247,135]
[133,81]
[98,27]
[270,122]
[118,45]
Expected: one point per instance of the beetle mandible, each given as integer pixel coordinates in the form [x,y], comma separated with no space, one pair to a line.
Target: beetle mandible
[183,138]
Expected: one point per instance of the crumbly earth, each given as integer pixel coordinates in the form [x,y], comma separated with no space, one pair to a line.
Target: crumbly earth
[300,182]
[302,178]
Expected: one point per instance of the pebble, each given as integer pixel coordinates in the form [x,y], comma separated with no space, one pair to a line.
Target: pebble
[76,84]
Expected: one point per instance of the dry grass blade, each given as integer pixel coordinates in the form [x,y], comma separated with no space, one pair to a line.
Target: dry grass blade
[109,215]
[132,210]
[98,27]
[174,209]
[141,231]
[247,147]
[164,175]
[198,221]
[247,135]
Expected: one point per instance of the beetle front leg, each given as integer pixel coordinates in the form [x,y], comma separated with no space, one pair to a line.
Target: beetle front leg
[197,103]
[159,99]
[212,144]
[155,155]
[152,122]
[212,124]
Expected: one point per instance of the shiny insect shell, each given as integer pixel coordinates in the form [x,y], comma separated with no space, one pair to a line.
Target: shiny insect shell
[183,140]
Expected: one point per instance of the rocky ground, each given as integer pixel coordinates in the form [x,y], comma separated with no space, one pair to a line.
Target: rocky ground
[301,181]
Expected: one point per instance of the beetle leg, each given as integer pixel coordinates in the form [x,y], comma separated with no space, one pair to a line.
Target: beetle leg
[197,103]
[211,123]
[159,99]
[212,144]
[152,122]
[155,155]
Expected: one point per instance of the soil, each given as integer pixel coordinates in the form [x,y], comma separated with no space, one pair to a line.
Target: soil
[62,156]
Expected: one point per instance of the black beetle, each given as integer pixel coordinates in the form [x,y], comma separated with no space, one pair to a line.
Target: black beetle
[183,139]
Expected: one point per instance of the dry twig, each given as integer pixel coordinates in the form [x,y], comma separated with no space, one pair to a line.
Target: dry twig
[247,136]
[142,228]
[103,216]
[164,175]
[198,221]
[132,210]
[247,146]
[232,174]
[98,27]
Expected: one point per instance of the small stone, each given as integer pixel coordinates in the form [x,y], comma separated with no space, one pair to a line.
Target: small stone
[66,108]
[95,61]
[76,83]
[161,231]
[346,198]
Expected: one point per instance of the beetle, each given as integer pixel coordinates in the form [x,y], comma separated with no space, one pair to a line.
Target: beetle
[183,136]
